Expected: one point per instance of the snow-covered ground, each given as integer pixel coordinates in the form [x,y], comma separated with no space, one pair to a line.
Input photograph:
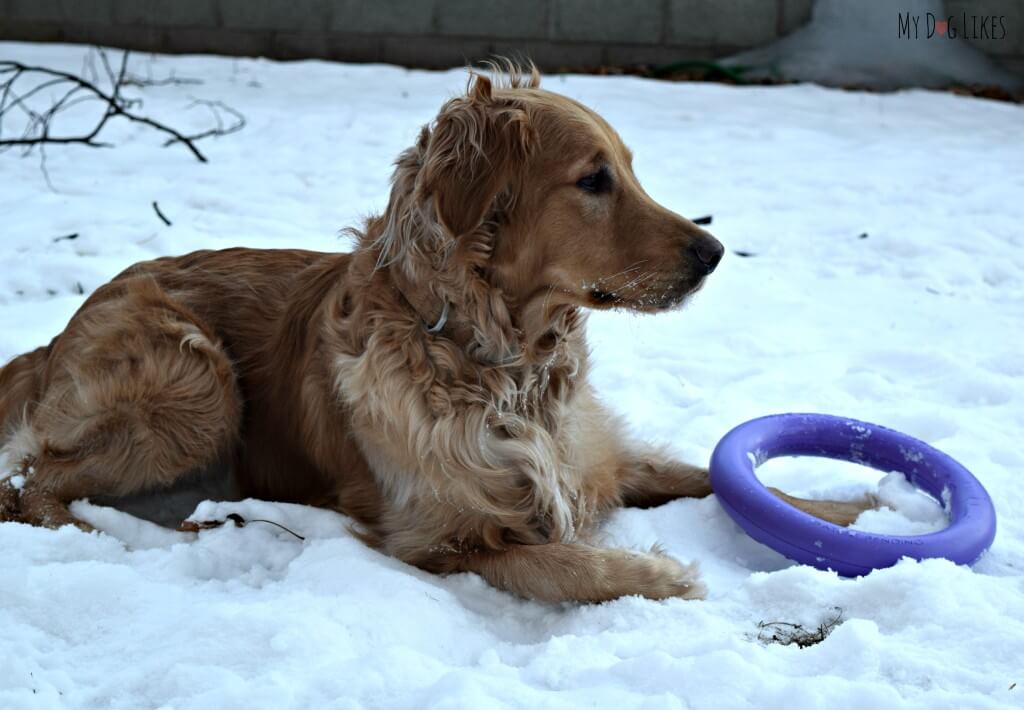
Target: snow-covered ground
[886,284]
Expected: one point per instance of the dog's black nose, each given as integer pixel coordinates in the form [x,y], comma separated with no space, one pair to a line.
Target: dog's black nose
[708,251]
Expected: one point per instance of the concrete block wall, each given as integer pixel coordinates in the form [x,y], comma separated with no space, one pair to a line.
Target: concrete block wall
[1009,50]
[444,33]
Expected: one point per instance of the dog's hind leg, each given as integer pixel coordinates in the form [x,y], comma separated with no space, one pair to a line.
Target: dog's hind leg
[138,394]
[8,501]
[20,385]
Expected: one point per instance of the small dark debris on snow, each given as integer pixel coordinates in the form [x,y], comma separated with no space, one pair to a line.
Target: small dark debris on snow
[703,220]
[744,254]
[66,237]
[79,289]
[785,633]
[862,235]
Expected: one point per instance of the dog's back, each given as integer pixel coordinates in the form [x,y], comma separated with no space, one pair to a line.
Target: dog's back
[247,317]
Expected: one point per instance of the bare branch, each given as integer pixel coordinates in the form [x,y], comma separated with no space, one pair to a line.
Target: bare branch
[38,130]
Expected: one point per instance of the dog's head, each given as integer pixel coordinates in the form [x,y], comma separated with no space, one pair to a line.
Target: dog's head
[534,195]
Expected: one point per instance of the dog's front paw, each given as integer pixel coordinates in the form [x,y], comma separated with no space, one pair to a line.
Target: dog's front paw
[658,576]
[837,512]
[677,580]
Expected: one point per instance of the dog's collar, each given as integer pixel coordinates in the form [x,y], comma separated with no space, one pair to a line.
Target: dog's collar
[441,320]
[432,325]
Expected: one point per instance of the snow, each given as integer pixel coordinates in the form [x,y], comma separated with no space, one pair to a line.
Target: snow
[907,510]
[915,326]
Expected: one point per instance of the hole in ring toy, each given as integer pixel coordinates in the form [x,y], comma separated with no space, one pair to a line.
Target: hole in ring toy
[803,538]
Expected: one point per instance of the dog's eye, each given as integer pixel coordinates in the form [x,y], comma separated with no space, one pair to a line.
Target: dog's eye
[596,183]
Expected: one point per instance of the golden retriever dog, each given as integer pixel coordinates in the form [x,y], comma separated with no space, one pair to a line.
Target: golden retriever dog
[432,384]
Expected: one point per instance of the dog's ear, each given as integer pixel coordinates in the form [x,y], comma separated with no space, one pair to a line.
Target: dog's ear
[476,146]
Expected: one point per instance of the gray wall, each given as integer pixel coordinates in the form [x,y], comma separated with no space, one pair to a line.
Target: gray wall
[443,33]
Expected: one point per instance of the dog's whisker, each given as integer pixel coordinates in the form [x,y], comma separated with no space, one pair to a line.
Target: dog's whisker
[646,276]
[632,267]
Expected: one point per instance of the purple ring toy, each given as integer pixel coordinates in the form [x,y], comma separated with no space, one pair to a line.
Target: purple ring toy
[806,539]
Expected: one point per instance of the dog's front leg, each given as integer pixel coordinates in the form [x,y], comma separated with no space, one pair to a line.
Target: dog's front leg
[584,573]
[622,472]
[650,480]
[837,512]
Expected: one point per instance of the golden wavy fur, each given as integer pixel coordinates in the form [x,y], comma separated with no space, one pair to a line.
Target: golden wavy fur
[432,384]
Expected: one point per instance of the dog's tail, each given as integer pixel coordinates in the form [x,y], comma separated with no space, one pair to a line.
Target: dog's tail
[20,387]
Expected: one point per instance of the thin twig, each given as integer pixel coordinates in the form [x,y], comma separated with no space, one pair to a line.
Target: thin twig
[136,80]
[156,208]
[215,108]
[198,525]
[261,520]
